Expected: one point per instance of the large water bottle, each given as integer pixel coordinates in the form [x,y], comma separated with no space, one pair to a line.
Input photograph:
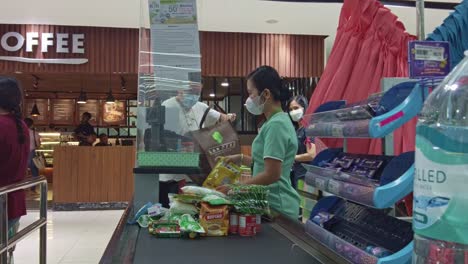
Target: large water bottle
[440,215]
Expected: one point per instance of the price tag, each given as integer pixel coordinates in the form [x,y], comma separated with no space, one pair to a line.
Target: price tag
[334,186]
[429,53]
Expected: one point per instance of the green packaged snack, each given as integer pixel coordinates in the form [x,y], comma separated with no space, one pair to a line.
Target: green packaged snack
[187,198]
[215,200]
[164,230]
[200,191]
[144,221]
[188,224]
[250,199]
[182,208]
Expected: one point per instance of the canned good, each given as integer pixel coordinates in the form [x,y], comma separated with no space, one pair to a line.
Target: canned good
[233,223]
[258,222]
[247,225]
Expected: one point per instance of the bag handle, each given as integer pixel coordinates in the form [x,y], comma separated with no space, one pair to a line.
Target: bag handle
[204,116]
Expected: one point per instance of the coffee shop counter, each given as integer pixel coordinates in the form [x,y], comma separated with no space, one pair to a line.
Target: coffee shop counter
[93,177]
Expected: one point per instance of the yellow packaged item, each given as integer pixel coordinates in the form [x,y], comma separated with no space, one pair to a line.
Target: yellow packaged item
[223,173]
[214,219]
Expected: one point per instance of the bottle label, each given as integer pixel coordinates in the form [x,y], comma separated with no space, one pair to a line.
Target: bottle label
[440,192]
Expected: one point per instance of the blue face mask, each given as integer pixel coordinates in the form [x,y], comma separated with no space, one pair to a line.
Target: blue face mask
[190,100]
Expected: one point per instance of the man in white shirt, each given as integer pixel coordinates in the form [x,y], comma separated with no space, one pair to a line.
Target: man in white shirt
[189,112]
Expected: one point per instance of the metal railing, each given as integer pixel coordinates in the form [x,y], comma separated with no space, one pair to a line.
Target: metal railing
[6,244]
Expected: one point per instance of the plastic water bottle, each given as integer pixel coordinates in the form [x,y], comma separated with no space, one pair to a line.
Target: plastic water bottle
[440,215]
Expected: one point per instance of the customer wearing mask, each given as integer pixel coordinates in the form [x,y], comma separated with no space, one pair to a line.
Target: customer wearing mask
[184,113]
[306,151]
[14,148]
[275,147]
[190,111]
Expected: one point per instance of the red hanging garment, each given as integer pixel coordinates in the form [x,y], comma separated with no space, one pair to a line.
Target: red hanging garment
[370,44]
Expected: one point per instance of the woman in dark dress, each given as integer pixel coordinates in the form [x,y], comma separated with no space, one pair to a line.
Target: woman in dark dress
[14,148]
[306,151]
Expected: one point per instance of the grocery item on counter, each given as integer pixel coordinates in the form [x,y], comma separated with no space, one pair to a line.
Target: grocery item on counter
[156,210]
[258,221]
[214,219]
[164,229]
[223,173]
[200,191]
[250,199]
[143,210]
[213,199]
[187,198]
[188,224]
[233,223]
[179,208]
[247,225]
[144,221]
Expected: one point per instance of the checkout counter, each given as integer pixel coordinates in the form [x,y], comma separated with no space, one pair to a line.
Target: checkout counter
[281,241]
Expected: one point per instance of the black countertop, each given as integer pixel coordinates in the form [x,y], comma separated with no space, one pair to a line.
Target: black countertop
[269,246]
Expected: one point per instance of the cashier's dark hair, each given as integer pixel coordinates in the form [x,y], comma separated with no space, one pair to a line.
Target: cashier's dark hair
[267,77]
[11,97]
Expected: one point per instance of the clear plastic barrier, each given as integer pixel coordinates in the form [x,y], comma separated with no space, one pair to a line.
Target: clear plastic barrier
[169,83]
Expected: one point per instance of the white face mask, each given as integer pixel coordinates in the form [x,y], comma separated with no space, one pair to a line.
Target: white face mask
[297,114]
[253,105]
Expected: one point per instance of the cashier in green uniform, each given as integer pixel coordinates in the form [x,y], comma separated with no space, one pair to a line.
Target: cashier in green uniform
[275,147]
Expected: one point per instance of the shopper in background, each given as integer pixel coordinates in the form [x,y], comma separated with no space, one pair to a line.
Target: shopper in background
[85,130]
[14,149]
[34,143]
[275,147]
[306,151]
[190,111]
[184,113]
[103,141]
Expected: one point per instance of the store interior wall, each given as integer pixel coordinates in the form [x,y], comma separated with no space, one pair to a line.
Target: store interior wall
[254,16]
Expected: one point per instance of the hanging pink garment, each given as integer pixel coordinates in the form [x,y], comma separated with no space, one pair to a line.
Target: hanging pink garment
[370,44]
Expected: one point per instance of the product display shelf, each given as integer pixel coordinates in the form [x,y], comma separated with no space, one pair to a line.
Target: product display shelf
[353,250]
[375,117]
[394,183]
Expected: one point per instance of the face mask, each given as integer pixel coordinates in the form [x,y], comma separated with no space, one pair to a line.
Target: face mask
[253,105]
[297,114]
[190,100]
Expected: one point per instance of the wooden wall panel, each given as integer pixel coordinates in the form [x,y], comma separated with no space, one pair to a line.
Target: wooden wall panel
[93,174]
[237,54]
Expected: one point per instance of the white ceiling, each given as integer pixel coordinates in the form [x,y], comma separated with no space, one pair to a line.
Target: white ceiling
[214,15]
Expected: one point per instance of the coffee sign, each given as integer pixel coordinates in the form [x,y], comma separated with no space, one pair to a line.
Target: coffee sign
[61,42]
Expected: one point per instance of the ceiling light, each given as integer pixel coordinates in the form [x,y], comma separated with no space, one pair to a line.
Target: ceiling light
[35,110]
[272,21]
[212,95]
[82,98]
[123,83]
[110,98]
[225,83]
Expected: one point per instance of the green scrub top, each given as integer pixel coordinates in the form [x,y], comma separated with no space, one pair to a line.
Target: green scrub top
[277,140]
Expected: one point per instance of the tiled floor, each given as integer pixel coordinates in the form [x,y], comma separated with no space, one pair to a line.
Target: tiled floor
[72,237]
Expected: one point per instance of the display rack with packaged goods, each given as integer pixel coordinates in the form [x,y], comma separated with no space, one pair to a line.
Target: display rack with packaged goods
[345,224]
